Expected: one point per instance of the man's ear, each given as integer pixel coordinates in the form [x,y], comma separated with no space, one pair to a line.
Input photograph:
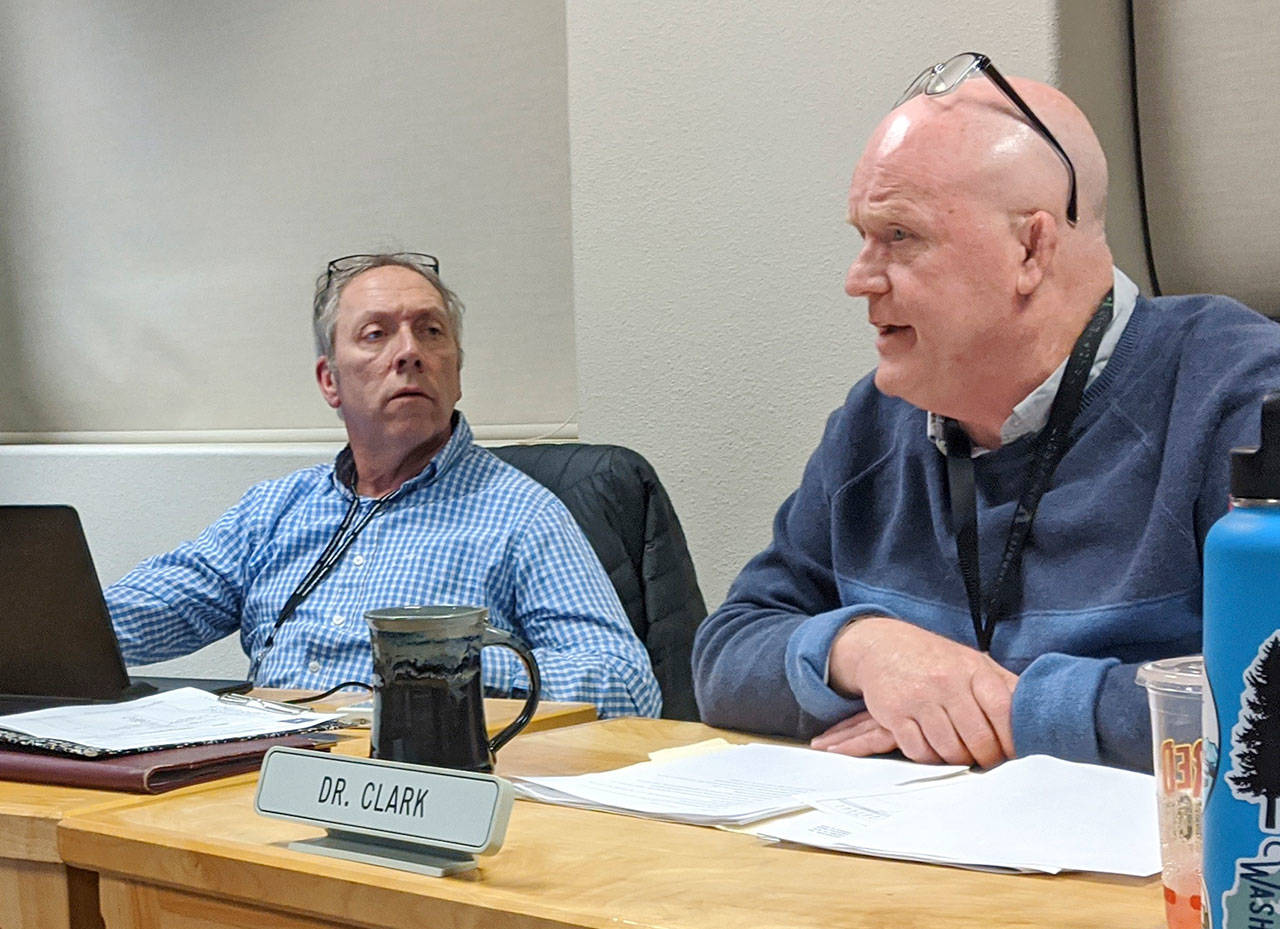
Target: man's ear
[1038,238]
[327,378]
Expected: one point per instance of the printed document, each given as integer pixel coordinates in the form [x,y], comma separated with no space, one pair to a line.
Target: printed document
[1031,814]
[739,784]
[177,717]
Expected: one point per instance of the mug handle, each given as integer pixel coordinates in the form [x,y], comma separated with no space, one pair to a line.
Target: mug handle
[495,636]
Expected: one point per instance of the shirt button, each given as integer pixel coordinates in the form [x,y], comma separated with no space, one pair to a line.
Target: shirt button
[314,667]
[339,620]
[359,560]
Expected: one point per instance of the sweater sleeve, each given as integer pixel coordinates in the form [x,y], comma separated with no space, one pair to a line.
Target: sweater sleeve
[759,660]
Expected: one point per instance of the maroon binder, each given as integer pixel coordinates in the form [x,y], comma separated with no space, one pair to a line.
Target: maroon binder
[145,772]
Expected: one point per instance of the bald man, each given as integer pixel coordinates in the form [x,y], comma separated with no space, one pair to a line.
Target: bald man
[1006,517]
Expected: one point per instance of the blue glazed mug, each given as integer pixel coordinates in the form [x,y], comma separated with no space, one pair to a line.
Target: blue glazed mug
[428,703]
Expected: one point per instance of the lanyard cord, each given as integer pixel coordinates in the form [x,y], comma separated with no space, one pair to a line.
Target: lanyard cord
[327,561]
[1049,452]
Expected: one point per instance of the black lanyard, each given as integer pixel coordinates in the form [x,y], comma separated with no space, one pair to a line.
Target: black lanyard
[1052,446]
[327,561]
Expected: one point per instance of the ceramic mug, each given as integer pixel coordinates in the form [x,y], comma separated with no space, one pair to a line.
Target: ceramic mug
[428,703]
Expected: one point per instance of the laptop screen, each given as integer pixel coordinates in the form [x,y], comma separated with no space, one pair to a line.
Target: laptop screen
[55,633]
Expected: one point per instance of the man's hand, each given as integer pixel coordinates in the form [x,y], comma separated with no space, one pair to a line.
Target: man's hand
[934,699]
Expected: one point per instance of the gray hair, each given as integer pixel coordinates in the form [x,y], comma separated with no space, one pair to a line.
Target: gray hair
[338,275]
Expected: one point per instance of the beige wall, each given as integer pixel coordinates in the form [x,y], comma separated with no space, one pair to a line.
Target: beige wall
[174,176]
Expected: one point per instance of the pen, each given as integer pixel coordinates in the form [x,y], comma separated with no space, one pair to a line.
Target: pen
[257,703]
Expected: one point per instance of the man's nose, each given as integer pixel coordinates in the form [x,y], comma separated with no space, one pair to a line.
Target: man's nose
[867,274]
[408,353]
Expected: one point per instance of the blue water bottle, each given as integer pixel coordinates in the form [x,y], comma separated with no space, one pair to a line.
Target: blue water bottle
[1242,699]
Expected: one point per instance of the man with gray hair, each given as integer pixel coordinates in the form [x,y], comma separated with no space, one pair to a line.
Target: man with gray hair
[1007,516]
[410,512]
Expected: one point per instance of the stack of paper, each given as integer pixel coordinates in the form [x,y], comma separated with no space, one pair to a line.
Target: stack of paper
[171,718]
[740,784]
[1030,814]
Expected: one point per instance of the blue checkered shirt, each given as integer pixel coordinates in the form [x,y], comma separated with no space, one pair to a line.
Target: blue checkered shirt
[468,529]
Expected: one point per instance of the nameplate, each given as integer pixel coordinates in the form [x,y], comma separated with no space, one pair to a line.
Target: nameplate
[417,818]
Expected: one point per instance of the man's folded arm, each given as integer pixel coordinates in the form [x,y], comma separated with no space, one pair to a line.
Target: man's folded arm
[764,669]
[1083,709]
[759,661]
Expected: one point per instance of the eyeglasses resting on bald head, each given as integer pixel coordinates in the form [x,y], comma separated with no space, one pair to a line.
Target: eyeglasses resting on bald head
[946,76]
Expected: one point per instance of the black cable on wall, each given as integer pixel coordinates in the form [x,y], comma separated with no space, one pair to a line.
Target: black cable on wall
[1137,151]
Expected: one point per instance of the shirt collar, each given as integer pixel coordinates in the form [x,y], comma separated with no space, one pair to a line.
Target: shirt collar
[1032,413]
[344,466]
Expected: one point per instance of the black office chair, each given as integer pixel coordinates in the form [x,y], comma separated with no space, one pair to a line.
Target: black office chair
[627,517]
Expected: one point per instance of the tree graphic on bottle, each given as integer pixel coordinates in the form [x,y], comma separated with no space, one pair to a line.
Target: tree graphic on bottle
[1255,738]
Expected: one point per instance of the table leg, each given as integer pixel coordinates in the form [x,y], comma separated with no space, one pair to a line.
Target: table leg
[47,895]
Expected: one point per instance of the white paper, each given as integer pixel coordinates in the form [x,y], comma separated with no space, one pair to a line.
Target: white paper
[176,717]
[1032,814]
[739,784]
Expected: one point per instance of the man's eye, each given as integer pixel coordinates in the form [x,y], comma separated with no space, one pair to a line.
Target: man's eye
[371,335]
[897,235]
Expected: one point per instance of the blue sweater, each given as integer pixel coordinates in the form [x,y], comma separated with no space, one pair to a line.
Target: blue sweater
[1111,574]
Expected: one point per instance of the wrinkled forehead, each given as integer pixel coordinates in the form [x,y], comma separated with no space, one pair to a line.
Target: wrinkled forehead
[389,287]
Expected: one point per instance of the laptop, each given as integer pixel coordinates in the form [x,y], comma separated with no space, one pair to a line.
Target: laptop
[57,643]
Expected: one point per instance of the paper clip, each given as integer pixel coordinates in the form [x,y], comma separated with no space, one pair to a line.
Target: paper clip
[257,703]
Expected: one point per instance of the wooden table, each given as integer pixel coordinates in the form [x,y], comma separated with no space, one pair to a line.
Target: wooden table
[498,711]
[208,860]
[38,890]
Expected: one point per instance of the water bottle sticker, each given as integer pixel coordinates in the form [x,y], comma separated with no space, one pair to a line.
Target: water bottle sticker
[1209,740]
[1255,738]
[1253,902]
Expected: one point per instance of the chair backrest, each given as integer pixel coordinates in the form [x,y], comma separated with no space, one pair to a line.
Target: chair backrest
[627,517]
